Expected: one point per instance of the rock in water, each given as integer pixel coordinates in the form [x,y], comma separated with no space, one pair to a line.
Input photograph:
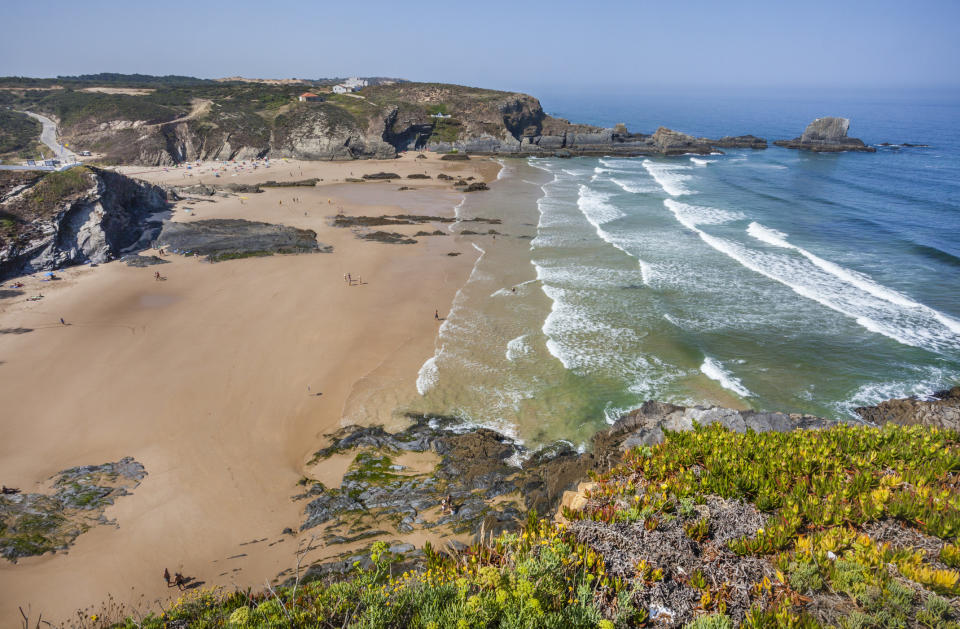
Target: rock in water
[827,129]
[670,142]
[942,410]
[827,135]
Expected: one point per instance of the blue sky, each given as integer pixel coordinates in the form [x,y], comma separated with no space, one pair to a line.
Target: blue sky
[517,45]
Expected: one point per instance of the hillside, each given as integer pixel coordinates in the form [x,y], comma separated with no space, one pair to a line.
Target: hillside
[18,135]
[168,120]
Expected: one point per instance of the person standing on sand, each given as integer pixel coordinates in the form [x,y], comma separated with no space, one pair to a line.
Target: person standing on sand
[62,322]
[436,315]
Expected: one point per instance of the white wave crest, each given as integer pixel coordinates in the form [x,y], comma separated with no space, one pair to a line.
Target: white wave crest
[596,207]
[699,162]
[646,272]
[692,215]
[428,375]
[671,177]
[872,306]
[634,187]
[714,370]
[861,281]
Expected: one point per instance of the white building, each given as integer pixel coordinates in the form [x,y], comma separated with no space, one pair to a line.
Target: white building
[354,83]
[350,85]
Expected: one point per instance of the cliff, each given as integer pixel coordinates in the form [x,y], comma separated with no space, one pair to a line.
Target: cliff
[52,220]
[158,122]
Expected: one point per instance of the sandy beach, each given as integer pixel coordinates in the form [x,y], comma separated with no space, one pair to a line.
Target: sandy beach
[221,380]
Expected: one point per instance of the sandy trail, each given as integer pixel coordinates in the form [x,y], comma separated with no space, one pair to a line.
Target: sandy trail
[211,380]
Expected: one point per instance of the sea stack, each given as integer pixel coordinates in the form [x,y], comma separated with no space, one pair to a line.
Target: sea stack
[827,135]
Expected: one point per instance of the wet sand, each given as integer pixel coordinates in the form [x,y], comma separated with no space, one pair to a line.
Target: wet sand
[220,380]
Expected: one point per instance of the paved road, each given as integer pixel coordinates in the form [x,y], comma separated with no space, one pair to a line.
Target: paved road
[49,137]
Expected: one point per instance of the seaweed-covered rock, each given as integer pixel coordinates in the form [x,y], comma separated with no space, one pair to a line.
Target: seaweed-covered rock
[392,238]
[142,261]
[221,239]
[34,523]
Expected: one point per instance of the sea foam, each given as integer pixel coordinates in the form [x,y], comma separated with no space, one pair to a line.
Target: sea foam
[671,177]
[714,370]
[518,347]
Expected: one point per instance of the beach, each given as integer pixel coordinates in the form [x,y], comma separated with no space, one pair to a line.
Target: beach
[221,379]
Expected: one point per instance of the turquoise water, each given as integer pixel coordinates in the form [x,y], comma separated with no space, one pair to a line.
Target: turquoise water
[773,279]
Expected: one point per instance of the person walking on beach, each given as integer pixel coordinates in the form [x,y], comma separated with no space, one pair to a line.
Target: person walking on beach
[62,322]
[166,576]
[436,315]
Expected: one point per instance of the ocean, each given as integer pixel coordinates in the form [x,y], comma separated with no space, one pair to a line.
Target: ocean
[769,279]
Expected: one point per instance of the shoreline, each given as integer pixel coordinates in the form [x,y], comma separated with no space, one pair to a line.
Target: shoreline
[221,381]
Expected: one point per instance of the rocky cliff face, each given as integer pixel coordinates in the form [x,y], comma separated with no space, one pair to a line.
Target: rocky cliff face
[96,218]
[376,123]
[826,135]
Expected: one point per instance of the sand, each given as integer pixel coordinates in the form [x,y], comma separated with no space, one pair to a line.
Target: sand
[221,380]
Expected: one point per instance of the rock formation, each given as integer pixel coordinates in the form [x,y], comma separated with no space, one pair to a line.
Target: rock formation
[480,465]
[223,239]
[942,411]
[98,216]
[230,122]
[826,135]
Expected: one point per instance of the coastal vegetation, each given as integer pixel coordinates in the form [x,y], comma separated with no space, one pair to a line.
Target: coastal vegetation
[841,527]
[18,133]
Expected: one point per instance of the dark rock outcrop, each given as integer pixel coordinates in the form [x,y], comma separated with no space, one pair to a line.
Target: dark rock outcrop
[142,261]
[827,135]
[942,411]
[739,142]
[222,239]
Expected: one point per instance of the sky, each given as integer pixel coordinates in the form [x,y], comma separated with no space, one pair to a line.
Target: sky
[517,45]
